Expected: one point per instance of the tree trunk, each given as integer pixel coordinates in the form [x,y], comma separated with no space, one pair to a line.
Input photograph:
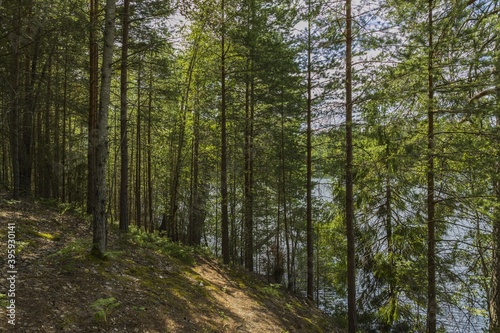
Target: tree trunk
[100,226]
[248,200]
[152,225]
[431,223]
[309,227]
[13,116]
[138,149]
[495,271]
[351,246]
[124,222]
[223,163]
[65,114]
[93,103]
[284,195]
[194,230]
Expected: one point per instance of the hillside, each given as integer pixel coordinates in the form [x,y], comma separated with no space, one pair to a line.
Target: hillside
[147,285]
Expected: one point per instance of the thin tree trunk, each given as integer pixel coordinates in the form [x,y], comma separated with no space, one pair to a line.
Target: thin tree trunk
[233,231]
[93,104]
[223,167]
[14,114]
[5,168]
[49,162]
[495,271]
[194,230]
[150,171]
[124,221]
[138,150]
[100,225]
[248,200]
[57,140]
[351,247]
[194,234]
[431,223]
[388,228]
[65,113]
[309,227]
[284,196]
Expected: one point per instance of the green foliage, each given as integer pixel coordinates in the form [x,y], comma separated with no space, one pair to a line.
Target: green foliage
[4,300]
[272,290]
[103,307]
[163,245]
[78,248]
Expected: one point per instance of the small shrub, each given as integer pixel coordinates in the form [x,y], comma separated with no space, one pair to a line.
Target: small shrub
[272,290]
[103,307]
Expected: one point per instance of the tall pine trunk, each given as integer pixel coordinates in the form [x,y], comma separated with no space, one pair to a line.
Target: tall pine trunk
[495,272]
[13,116]
[194,229]
[223,162]
[124,220]
[248,152]
[100,225]
[152,225]
[93,104]
[138,150]
[431,223]
[309,227]
[351,247]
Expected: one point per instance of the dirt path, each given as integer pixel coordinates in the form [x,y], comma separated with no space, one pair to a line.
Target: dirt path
[245,312]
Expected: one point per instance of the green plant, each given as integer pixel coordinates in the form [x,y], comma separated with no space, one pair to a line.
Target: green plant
[162,245]
[272,289]
[138,308]
[103,306]
[111,255]
[4,301]
[77,248]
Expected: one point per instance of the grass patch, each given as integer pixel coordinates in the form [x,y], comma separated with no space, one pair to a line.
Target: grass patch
[52,237]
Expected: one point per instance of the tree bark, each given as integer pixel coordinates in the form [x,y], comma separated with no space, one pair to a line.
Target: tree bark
[351,246]
[138,150]
[284,196]
[248,152]
[495,271]
[223,163]
[100,225]
[431,223]
[152,225]
[13,116]
[124,220]
[93,104]
[194,232]
[309,227]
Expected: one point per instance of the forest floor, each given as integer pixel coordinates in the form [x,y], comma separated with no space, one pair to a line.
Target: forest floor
[147,284]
